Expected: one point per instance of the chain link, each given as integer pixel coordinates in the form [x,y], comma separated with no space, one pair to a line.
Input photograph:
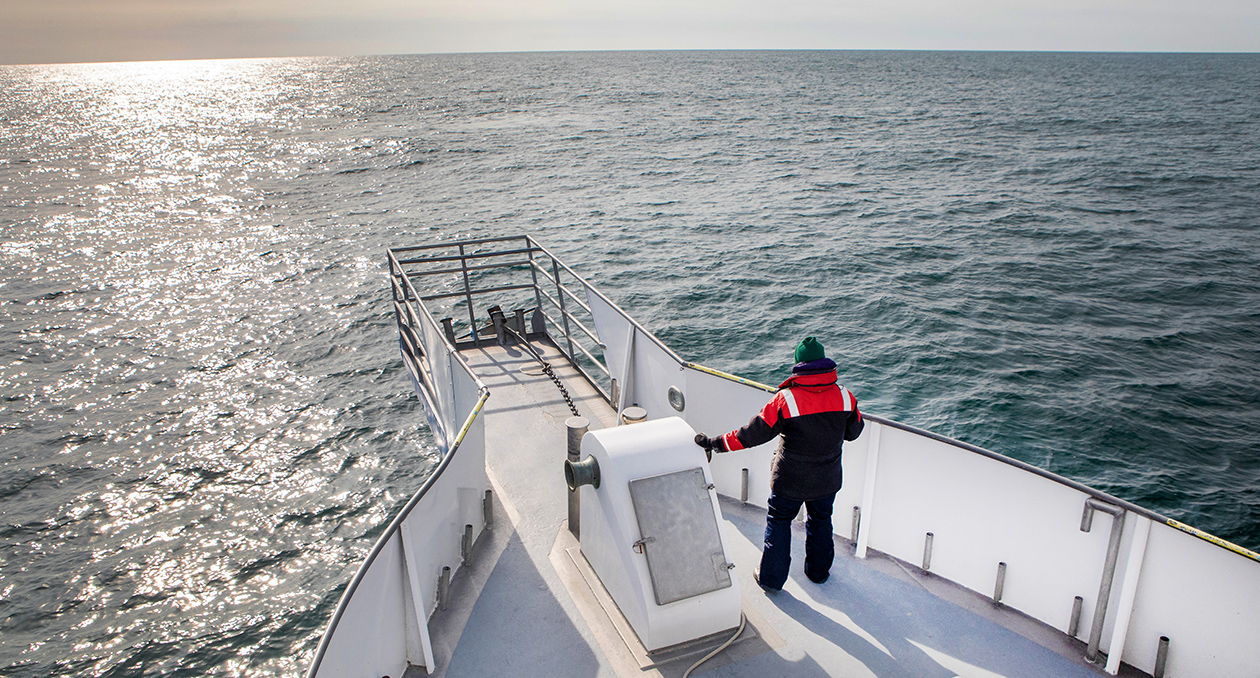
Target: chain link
[564,393]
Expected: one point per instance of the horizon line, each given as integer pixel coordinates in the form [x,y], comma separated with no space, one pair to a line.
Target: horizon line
[631,51]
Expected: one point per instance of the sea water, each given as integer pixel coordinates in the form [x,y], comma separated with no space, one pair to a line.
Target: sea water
[204,420]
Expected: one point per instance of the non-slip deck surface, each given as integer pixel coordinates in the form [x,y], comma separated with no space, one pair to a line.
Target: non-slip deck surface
[873,617]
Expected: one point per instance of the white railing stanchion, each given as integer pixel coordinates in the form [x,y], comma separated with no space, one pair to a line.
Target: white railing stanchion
[868,491]
[417,598]
[1128,591]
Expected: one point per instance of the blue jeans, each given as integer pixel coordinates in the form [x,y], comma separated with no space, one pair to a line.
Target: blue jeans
[820,548]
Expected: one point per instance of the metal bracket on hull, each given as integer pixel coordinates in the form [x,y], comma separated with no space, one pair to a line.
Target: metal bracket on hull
[1109,568]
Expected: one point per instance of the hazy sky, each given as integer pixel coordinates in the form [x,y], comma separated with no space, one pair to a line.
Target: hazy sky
[48,31]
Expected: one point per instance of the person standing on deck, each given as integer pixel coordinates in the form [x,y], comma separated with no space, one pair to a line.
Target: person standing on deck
[814,416]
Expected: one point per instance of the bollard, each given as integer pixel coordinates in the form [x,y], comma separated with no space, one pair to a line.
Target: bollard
[743,485]
[633,415]
[1074,624]
[927,552]
[577,427]
[857,522]
[500,324]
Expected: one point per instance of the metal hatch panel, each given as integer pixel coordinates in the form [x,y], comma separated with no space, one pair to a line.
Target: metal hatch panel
[680,535]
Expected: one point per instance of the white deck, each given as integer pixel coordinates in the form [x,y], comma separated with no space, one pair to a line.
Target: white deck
[521,608]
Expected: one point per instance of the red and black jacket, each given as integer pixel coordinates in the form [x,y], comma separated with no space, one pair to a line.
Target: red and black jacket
[815,417]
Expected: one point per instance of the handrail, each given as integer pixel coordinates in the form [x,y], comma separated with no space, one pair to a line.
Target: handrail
[732,377]
[464,293]
[463,257]
[1227,545]
[478,241]
[482,267]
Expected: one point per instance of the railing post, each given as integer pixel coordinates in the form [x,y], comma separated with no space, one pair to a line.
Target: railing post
[564,314]
[533,274]
[472,315]
[1128,593]
[868,490]
[393,274]
[411,564]
[625,391]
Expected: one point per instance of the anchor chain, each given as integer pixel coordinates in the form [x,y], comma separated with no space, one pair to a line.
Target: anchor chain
[564,393]
[546,368]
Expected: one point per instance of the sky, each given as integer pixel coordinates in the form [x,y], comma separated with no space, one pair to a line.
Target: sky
[69,31]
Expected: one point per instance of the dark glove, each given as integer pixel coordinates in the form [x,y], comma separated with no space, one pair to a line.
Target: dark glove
[710,445]
[703,441]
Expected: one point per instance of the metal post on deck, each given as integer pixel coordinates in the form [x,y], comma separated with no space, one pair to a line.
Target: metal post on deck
[444,587]
[465,545]
[449,329]
[1161,657]
[500,324]
[577,427]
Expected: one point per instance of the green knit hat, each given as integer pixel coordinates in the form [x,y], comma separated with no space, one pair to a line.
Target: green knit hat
[809,350]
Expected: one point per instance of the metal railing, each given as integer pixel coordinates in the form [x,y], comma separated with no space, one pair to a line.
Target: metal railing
[533,281]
